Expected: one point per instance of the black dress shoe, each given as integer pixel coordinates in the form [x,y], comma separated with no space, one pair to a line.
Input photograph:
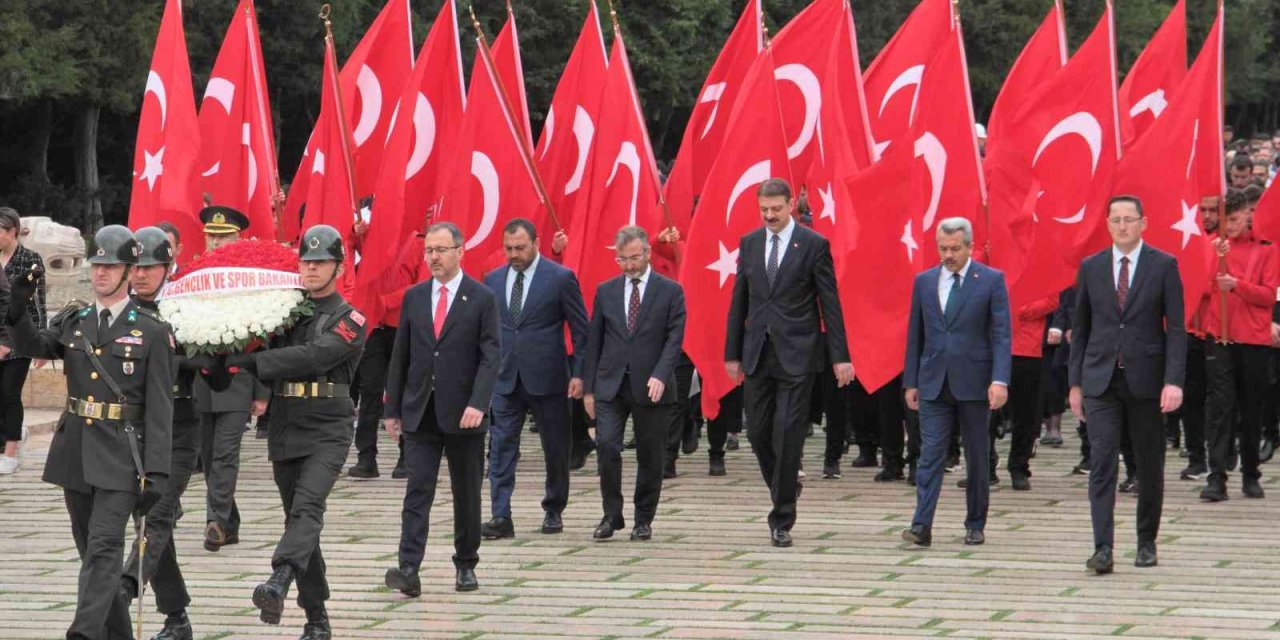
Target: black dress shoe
[580,453]
[176,627]
[361,471]
[317,627]
[1101,563]
[866,459]
[405,580]
[731,442]
[1266,450]
[498,528]
[1146,555]
[919,535]
[269,597]
[831,470]
[642,532]
[1020,481]
[400,472]
[780,538]
[717,467]
[1129,486]
[1081,469]
[214,537]
[604,530]
[992,481]
[974,537]
[1215,490]
[1252,488]
[551,523]
[889,474]
[669,470]
[466,580]
[689,443]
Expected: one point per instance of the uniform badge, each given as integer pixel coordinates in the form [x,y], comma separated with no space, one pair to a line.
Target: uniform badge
[135,333]
[128,368]
[129,340]
[357,317]
[345,332]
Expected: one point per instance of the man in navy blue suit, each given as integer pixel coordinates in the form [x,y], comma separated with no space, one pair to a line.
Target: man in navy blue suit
[959,359]
[538,298]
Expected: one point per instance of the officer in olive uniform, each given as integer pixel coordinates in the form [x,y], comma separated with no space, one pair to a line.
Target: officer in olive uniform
[224,414]
[310,369]
[111,450]
[160,565]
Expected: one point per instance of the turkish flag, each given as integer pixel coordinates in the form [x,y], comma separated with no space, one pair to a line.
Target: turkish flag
[1160,68]
[840,153]
[330,189]
[1266,216]
[755,149]
[164,159]
[1044,54]
[623,181]
[237,152]
[494,177]
[1185,141]
[893,79]
[371,81]
[506,58]
[1050,176]
[564,148]
[413,176]
[889,243]
[945,142]
[801,68]
[704,134]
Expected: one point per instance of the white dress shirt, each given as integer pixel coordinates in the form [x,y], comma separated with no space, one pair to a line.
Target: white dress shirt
[628,286]
[1115,263]
[528,278]
[453,291]
[784,239]
[944,282]
[116,309]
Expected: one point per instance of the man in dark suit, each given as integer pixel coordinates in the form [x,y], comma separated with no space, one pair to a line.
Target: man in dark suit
[1128,363]
[959,358]
[784,293]
[539,297]
[439,387]
[633,349]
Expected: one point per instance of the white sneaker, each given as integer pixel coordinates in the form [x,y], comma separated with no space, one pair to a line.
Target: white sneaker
[8,465]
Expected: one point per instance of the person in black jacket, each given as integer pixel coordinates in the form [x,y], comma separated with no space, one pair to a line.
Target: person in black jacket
[310,368]
[439,386]
[784,293]
[633,349]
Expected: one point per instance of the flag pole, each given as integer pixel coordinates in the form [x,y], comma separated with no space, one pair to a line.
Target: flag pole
[482,47]
[343,126]
[269,145]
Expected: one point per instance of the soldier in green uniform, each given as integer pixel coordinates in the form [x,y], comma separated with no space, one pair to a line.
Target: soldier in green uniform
[160,564]
[111,450]
[310,369]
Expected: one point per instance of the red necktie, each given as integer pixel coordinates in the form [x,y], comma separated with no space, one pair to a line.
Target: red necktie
[1122,284]
[442,309]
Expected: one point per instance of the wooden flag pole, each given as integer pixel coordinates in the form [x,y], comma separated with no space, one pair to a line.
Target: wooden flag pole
[343,127]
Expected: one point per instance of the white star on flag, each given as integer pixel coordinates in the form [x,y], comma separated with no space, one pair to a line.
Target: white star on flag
[908,240]
[317,165]
[153,167]
[727,265]
[828,203]
[1187,224]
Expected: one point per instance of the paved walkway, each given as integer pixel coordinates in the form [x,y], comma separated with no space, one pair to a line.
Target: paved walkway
[709,572]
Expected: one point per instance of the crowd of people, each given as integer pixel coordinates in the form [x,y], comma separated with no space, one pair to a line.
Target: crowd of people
[456,367]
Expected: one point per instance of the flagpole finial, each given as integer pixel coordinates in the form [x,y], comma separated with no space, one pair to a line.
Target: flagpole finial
[765,29]
[474,21]
[613,16]
[325,10]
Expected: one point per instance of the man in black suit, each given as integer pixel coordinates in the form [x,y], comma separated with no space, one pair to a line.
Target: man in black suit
[1128,362]
[633,348]
[447,343]
[784,293]
[539,298]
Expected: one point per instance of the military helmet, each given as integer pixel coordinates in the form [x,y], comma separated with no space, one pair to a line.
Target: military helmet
[321,242]
[115,244]
[154,245]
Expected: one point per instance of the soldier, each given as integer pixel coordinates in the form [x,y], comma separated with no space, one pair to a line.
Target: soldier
[310,368]
[111,450]
[160,565]
[224,414]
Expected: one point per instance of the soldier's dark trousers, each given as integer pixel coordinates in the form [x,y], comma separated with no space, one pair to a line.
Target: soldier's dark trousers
[160,566]
[304,485]
[373,380]
[221,434]
[98,522]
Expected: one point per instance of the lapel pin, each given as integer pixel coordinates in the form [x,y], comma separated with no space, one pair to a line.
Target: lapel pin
[464,298]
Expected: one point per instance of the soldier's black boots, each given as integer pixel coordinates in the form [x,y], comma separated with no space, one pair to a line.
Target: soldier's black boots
[317,625]
[176,627]
[269,597]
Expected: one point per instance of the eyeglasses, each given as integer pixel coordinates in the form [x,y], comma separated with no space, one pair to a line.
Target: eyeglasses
[629,259]
[1123,222]
[439,251]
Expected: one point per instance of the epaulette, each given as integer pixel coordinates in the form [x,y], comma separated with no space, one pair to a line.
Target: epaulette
[74,307]
[150,314]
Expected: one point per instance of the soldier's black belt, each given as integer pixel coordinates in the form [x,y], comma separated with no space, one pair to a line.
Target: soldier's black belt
[103,410]
[312,390]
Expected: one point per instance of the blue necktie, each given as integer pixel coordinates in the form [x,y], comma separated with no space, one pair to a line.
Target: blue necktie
[951,297]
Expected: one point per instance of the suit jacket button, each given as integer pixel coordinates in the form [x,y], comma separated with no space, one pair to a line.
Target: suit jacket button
[436,354]
[1121,325]
[88,421]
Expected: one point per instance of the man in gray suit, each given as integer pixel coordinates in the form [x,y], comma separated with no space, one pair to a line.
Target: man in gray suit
[633,348]
[1128,363]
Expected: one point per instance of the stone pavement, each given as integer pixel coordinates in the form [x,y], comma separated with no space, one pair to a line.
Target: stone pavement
[709,572]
